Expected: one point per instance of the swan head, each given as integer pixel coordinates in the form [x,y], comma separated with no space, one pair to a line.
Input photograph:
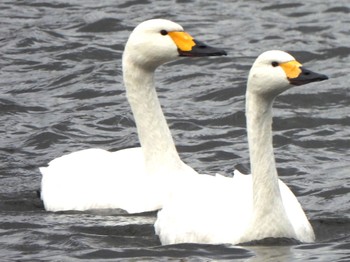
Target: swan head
[273,72]
[157,41]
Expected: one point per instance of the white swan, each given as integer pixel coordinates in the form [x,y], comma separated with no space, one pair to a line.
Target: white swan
[208,209]
[131,179]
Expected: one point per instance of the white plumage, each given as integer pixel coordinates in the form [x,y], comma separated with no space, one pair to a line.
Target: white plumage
[208,209]
[135,180]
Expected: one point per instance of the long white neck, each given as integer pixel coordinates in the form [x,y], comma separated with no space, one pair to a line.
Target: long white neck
[268,207]
[265,179]
[154,135]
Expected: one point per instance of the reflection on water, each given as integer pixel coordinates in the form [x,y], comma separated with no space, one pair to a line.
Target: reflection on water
[62,91]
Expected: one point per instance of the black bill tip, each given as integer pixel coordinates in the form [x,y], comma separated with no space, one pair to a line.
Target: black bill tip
[201,49]
[307,76]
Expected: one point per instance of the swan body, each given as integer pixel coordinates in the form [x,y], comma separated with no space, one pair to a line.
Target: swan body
[135,179]
[217,209]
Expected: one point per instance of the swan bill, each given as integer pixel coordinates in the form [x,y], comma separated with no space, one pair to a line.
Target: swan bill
[291,68]
[306,76]
[184,41]
[187,46]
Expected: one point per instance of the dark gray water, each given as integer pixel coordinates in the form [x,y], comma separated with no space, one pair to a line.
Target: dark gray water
[61,91]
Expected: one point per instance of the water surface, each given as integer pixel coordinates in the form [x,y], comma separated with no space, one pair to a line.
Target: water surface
[61,91]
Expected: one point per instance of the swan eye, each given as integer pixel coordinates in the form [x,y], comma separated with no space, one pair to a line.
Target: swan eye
[274,64]
[163,32]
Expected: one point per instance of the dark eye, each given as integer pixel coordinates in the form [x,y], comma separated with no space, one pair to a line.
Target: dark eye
[163,32]
[274,63]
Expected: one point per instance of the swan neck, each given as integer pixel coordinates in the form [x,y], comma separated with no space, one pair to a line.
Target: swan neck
[153,132]
[268,209]
[266,193]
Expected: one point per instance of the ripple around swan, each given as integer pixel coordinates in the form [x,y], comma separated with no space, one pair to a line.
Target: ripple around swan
[62,91]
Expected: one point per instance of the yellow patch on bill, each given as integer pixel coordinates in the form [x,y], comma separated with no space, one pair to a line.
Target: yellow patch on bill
[291,68]
[183,40]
